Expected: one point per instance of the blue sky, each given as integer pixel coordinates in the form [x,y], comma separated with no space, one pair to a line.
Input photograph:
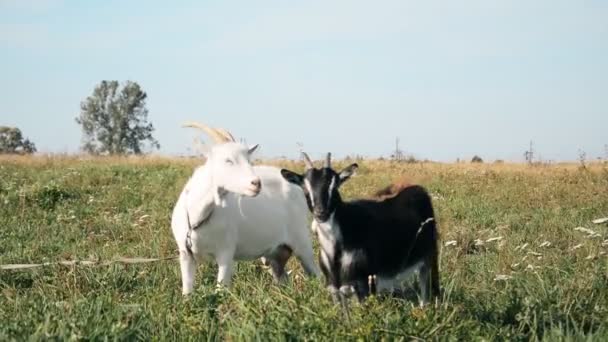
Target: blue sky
[450,79]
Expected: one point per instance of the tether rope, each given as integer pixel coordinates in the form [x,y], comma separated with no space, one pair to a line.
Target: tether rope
[86,263]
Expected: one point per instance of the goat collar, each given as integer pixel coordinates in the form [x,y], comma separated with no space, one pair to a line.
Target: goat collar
[219,199]
[193,227]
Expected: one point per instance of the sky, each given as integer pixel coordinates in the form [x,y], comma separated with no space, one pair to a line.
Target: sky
[450,79]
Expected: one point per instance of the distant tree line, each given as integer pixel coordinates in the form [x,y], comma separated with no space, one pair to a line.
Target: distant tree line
[114,120]
[13,142]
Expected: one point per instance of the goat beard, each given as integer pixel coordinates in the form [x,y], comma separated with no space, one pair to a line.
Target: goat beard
[219,197]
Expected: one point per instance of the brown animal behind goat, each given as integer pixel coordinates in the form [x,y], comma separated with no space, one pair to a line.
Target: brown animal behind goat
[392,190]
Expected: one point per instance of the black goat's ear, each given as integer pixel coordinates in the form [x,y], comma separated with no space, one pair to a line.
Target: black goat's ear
[292,177]
[348,172]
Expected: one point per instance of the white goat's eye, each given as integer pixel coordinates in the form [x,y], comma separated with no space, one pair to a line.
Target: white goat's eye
[229,162]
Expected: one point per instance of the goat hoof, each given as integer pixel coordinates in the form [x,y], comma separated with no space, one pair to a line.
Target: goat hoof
[347,290]
[335,294]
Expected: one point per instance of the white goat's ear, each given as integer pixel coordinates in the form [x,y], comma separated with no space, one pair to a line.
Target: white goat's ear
[348,172]
[253,148]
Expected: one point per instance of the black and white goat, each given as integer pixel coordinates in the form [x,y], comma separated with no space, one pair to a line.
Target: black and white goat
[385,238]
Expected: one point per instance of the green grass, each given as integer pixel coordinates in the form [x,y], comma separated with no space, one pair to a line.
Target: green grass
[101,209]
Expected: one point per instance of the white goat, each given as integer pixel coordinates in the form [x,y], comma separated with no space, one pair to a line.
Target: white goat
[212,220]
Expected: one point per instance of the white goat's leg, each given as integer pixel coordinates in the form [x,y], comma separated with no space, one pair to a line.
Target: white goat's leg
[307,260]
[225,263]
[302,248]
[187,265]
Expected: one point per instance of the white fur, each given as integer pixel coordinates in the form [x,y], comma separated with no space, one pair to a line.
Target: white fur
[330,190]
[385,284]
[309,189]
[347,290]
[347,259]
[241,228]
[328,233]
[325,260]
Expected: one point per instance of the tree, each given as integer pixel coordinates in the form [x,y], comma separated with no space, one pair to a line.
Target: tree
[11,141]
[476,159]
[115,121]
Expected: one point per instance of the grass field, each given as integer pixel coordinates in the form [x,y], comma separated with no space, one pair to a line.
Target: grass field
[514,267]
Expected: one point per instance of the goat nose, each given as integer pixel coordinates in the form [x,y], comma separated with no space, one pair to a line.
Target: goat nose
[256,182]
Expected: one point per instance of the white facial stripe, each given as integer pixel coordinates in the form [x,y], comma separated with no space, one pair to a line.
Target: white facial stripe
[309,189]
[330,190]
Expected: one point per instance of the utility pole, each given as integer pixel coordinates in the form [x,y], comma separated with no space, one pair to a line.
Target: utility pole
[529,154]
[398,155]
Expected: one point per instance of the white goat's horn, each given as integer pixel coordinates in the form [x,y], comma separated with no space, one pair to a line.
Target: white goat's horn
[211,132]
[226,134]
[328,160]
[307,161]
